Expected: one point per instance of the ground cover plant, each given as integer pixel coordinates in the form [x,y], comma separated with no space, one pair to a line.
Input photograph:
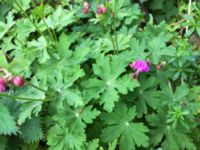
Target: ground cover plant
[99,75]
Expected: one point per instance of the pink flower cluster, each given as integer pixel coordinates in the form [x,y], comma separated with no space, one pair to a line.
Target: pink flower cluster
[139,66]
[100,9]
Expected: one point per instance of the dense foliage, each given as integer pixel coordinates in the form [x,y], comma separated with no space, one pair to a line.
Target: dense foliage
[99,75]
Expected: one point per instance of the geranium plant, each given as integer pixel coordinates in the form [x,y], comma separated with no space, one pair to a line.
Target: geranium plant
[99,75]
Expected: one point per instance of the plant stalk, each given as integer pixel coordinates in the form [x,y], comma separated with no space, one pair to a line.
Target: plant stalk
[23,98]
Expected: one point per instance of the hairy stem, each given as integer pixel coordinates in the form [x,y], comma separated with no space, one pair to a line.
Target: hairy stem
[23,98]
[189,11]
[115,33]
[34,86]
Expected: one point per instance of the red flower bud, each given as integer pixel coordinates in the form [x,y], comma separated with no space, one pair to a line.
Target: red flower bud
[104,9]
[158,67]
[18,81]
[85,11]
[86,7]
[2,81]
[99,10]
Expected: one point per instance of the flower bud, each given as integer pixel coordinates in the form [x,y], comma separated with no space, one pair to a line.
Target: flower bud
[158,67]
[86,7]
[2,81]
[104,9]
[85,11]
[18,81]
[99,10]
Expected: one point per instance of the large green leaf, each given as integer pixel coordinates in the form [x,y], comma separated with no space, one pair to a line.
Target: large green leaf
[7,123]
[109,69]
[69,131]
[120,126]
[31,130]
[146,95]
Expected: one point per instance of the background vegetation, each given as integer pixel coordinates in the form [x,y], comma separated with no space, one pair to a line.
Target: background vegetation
[79,91]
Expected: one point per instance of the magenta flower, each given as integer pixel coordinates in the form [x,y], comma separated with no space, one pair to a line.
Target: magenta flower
[139,66]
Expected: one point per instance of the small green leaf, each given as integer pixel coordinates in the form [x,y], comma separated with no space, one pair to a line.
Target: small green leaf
[89,114]
[3,60]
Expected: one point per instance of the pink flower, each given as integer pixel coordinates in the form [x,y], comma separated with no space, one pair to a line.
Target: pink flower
[139,66]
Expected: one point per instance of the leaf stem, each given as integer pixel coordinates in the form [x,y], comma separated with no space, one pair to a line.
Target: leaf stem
[113,43]
[23,98]
[36,87]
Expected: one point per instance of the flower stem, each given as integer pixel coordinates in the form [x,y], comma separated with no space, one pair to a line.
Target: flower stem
[113,43]
[53,36]
[189,11]
[23,98]
[34,86]
[115,34]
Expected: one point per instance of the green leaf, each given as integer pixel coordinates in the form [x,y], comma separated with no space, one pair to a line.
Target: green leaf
[177,141]
[89,114]
[60,18]
[3,60]
[40,46]
[93,145]
[181,92]
[170,138]
[27,109]
[113,145]
[65,41]
[25,4]
[7,123]
[146,95]
[30,108]
[73,97]
[69,133]
[157,46]
[60,137]
[31,130]
[23,28]
[120,126]
[112,84]
[93,87]
[4,27]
